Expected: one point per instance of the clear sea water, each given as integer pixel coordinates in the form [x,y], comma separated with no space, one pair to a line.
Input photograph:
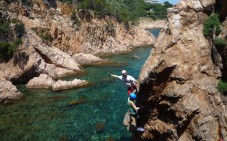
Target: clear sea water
[93,113]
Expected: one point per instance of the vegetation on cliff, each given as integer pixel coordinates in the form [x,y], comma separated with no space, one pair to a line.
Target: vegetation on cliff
[212,24]
[212,28]
[218,42]
[222,86]
[11,31]
[126,10]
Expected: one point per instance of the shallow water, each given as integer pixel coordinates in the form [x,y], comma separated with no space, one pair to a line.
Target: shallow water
[93,113]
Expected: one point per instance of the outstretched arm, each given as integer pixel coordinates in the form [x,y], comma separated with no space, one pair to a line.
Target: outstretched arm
[116,76]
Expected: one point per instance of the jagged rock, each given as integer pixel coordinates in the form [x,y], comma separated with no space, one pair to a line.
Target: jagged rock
[179,80]
[63,85]
[86,59]
[42,82]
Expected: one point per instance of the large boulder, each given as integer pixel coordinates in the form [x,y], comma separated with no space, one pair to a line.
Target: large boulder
[8,92]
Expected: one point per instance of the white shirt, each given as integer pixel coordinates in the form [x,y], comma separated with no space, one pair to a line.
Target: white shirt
[129,80]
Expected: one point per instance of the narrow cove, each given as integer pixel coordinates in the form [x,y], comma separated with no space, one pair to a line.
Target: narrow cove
[93,113]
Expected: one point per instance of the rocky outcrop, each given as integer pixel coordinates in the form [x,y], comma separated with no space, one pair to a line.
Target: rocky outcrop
[86,59]
[151,24]
[42,82]
[30,62]
[46,82]
[64,85]
[178,81]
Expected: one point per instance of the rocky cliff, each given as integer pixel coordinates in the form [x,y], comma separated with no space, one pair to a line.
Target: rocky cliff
[79,31]
[55,32]
[178,82]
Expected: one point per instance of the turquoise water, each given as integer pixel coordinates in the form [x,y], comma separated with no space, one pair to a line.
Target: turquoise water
[93,113]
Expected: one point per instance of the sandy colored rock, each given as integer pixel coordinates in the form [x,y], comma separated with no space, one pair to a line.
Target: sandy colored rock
[42,82]
[63,85]
[86,59]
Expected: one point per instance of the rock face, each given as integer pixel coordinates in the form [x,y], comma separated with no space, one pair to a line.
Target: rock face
[178,81]
[82,32]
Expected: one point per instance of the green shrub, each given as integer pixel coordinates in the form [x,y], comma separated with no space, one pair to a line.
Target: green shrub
[218,42]
[46,37]
[9,43]
[210,24]
[7,49]
[5,30]
[123,10]
[222,86]
[19,29]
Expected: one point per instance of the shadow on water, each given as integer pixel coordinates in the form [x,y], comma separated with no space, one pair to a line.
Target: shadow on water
[73,115]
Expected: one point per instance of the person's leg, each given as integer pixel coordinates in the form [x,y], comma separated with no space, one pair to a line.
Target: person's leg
[138,123]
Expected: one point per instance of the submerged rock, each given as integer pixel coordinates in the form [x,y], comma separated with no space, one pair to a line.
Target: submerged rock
[76,102]
[100,127]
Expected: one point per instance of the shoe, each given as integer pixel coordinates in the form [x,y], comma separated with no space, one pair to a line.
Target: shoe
[140,129]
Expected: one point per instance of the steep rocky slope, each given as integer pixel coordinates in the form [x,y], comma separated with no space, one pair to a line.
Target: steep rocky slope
[179,79]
